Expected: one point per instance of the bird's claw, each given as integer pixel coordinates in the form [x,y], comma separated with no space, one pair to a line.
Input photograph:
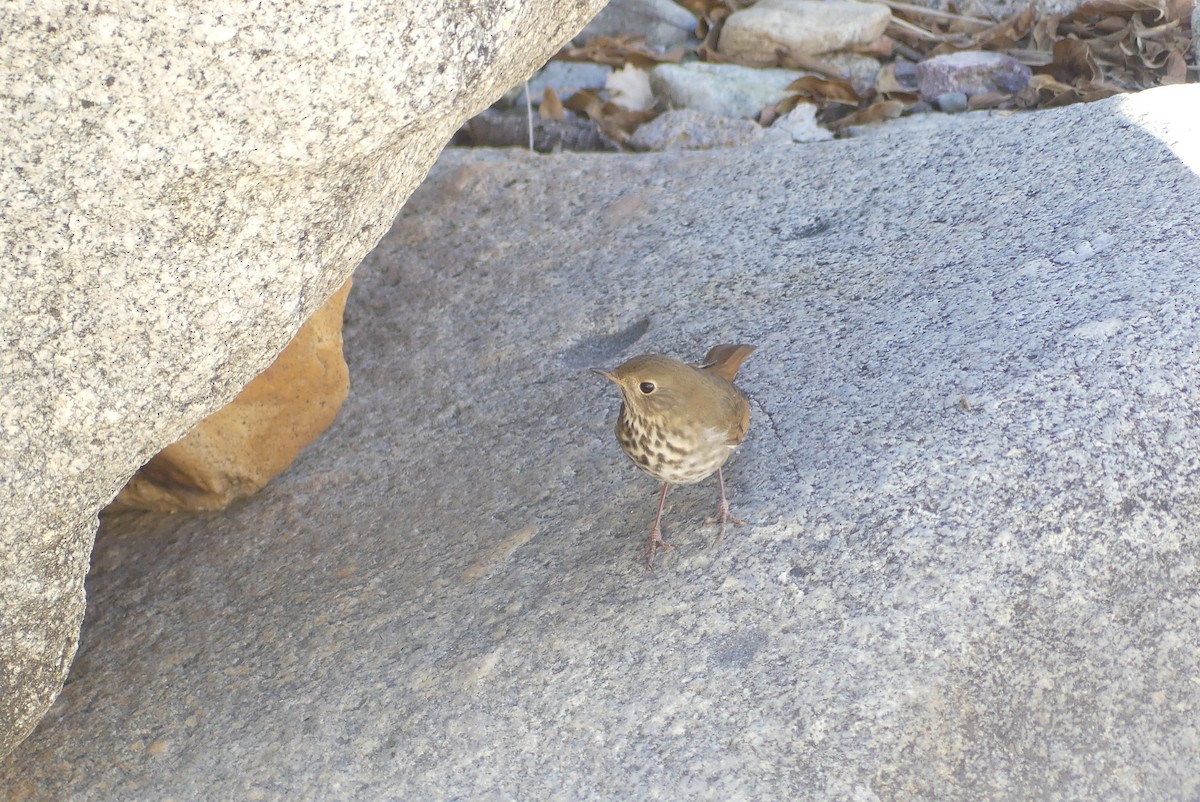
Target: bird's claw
[652,545]
[722,517]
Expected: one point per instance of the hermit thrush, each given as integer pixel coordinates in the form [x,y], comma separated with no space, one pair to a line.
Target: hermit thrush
[679,423]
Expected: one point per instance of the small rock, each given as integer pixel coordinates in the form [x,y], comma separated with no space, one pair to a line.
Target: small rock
[905,73]
[801,125]
[662,22]
[810,27]
[951,102]
[726,90]
[693,130]
[859,69]
[971,72]
[564,77]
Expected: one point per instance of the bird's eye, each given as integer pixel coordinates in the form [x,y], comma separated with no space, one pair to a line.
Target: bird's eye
[646,387]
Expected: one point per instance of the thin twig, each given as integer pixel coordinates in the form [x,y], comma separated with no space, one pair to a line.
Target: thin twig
[929,12]
[915,30]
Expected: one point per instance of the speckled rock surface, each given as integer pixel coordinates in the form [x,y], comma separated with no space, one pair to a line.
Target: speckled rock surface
[971,570]
[686,129]
[970,72]
[182,184]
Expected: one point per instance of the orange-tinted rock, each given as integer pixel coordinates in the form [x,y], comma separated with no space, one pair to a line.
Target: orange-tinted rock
[238,449]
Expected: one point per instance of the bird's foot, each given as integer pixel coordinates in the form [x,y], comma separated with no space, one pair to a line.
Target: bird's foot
[653,544]
[722,517]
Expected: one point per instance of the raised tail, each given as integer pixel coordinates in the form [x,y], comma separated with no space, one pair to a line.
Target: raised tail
[724,360]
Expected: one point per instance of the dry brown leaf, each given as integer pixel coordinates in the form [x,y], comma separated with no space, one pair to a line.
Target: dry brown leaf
[1074,63]
[1045,33]
[617,123]
[803,61]
[1176,69]
[1047,83]
[551,107]
[620,123]
[1180,9]
[787,104]
[825,90]
[1104,47]
[585,101]
[1008,32]
[880,48]
[1121,8]
[990,100]
[1110,25]
[881,110]
[617,51]
[886,82]
[1033,58]
[707,9]
[1143,31]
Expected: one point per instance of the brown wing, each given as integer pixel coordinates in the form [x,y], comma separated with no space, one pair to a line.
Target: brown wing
[724,360]
[738,432]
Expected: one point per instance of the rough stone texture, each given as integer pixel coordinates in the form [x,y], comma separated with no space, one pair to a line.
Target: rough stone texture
[809,27]
[922,125]
[183,184]
[694,130]
[236,450]
[970,72]
[663,22]
[972,477]
[726,90]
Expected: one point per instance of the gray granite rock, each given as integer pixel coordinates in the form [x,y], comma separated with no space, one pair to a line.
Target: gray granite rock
[182,184]
[952,101]
[970,72]
[664,23]
[971,570]
[686,129]
[726,90]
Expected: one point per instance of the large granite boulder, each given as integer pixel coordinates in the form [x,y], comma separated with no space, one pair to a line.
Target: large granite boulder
[182,185]
[971,568]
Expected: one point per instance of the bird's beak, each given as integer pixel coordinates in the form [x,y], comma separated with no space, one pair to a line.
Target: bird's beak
[606,375]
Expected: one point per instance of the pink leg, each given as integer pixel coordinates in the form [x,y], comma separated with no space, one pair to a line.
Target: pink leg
[723,513]
[656,538]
